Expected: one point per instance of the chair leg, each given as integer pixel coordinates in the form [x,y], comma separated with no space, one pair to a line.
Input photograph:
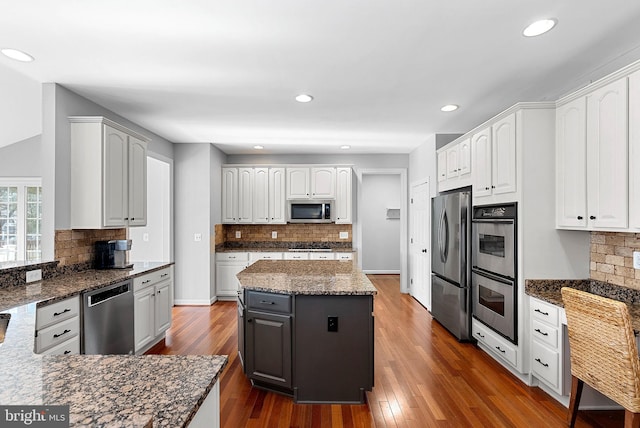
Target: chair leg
[631,420]
[574,400]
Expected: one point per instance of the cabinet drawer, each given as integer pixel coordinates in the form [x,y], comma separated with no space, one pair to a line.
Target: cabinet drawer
[344,256]
[497,344]
[69,347]
[57,333]
[545,312]
[322,256]
[56,312]
[265,256]
[544,364]
[232,257]
[544,333]
[269,302]
[296,256]
[152,278]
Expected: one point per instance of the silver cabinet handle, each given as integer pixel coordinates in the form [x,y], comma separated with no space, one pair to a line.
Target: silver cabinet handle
[55,314]
[55,336]
[544,333]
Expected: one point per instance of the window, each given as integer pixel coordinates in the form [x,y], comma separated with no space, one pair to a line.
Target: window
[20,219]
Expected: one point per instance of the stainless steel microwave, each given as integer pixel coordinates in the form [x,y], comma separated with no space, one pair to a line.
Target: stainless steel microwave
[310,211]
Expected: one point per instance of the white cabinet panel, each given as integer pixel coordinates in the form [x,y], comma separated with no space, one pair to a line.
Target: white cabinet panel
[298,183]
[571,164]
[634,151]
[144,317]
[607,156]
[115,177]
[343,196]
[152,307]
[322,256]
[442,165]
[245,195]
[227,266]
[261,195]
[503,168]
[137,182]
[452,162]
[277,199]
[323,183]
[481,151]
[464,157]
[162,307]
[296,256]
[229,195]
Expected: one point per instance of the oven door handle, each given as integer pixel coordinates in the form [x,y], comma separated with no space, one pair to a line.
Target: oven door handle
[494,220]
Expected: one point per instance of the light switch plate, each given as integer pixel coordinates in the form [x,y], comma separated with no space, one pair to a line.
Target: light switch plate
[34,275]
[344,235]
[238,234]
[636,259]
[197,237]
[145,237]
[274,235]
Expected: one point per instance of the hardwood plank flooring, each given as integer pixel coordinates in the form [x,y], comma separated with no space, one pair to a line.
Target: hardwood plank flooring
[423,376]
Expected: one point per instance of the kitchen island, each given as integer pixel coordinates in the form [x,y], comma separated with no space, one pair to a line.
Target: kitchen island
[305,329]
[101,390]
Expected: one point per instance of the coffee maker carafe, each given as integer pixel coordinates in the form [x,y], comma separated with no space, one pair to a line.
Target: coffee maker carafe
[113,254]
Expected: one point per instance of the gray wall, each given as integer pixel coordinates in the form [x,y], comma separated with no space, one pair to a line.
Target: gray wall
[22,159]
[380,236]
[359,161]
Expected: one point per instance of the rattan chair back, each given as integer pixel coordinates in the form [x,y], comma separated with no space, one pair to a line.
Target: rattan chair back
[603,347]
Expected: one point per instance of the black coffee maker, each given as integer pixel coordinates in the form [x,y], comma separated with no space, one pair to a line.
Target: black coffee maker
[113,254]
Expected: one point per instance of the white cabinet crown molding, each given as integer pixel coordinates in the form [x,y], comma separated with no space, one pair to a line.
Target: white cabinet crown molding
[105,121]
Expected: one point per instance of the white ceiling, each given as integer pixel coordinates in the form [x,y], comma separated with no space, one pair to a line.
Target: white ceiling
[226,71]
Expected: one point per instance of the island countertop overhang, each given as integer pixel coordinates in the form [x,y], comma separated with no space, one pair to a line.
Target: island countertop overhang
[306,277]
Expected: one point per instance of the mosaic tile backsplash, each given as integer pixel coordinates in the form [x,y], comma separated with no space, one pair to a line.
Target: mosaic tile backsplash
[329,233]
[612,258]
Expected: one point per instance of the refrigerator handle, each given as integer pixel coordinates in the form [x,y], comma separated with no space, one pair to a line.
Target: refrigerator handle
[444,236]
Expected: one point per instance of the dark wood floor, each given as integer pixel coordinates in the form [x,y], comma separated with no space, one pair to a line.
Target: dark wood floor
[423,376]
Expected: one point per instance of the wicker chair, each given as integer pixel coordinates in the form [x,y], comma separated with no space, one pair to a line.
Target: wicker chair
[603,352]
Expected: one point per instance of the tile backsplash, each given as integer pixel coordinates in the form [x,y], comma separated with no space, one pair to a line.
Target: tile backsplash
[77,246]
[286,233]
[612,258]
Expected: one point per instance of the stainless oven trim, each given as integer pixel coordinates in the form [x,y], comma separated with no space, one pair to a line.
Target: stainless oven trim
[505,327]
[505,267]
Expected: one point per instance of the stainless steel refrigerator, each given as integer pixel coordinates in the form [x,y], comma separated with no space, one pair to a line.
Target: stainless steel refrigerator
[450,262]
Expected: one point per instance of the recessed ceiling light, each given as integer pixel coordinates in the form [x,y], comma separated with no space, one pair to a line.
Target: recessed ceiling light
[17,55]
[345,147]
[304,98]
[539,27]
[449,107]
[258,147]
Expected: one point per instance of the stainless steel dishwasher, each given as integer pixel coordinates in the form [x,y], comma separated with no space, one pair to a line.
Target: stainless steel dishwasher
[108,320]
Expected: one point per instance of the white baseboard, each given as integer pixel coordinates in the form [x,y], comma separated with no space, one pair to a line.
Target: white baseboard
[191,302]
[381,272]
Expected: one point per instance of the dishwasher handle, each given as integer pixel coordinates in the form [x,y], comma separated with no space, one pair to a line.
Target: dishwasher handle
[103,295]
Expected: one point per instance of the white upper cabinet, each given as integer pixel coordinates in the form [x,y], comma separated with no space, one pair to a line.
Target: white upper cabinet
[607,156]
[503,168]
[634,151]
[229,195]
[592,166]
[481,150]
[277,200]
[343,196]
[245,195]
[108,174]
[571,164]
[261,195]
[323,183]
[454,165]
[298,183]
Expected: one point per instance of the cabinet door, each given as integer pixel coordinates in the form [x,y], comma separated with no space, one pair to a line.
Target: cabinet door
[607,156]
[229,195]
[261,195]
[137,182]
[245,195]
[268,348]
[162,307]
[226,281]
[634,150]
[277,198]
[343,196]
[464,157]
[503,168]
[115,177]
[442,165]
[144,317]
[298,183]
[571,164]
[452,162]
[481,151]
[323,183]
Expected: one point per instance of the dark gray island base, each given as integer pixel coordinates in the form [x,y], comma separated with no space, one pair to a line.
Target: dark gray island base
[305,329]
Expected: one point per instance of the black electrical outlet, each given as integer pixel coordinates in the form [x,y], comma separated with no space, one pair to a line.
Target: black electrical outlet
[332,324]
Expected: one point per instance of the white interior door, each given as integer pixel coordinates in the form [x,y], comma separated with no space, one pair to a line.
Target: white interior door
[420,244]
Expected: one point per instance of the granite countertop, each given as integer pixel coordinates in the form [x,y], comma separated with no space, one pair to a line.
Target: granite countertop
[548,290]
[102,391]
[309,277]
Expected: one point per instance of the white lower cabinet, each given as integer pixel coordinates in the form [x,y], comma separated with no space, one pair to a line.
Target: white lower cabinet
[344,256]
[58,328]
[547,345]
[228,265]
[296,256]
[266,255]
[322,256]
[152,308]
[495,343]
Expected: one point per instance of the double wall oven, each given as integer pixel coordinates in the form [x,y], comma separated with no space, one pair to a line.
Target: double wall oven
[493,273]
